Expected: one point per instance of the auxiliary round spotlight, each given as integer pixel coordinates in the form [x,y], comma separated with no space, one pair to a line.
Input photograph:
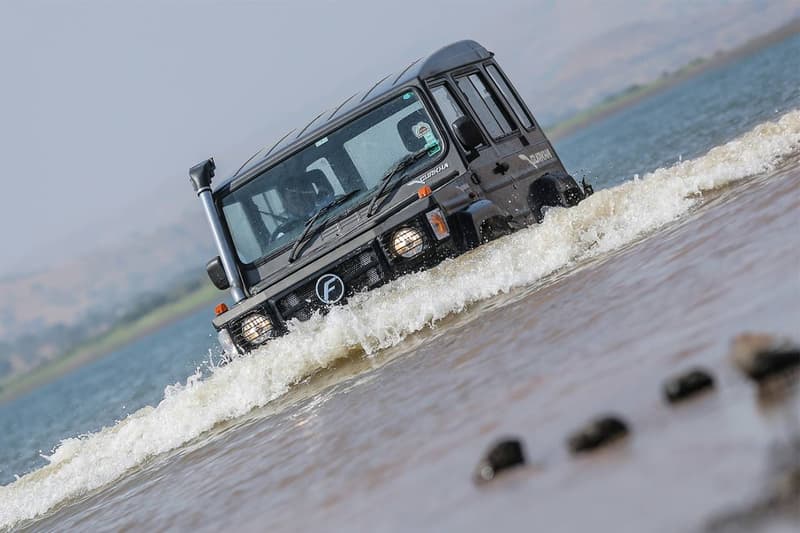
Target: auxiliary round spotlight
[256,328]
[407,242]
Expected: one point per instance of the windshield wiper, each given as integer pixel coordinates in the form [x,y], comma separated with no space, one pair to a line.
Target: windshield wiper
[398,167]
[339,200]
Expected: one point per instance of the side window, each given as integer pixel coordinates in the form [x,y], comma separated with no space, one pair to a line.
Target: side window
[486,105]
[447,104]
[515,104]
[450,108]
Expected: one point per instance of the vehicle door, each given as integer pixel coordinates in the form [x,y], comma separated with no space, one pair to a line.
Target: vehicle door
[504,164]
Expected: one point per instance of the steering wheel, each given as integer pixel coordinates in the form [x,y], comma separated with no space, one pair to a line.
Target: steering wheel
[283,229]
[274,216]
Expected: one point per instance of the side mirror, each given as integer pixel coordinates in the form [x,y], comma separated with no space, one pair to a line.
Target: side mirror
[216,273]
[467,133]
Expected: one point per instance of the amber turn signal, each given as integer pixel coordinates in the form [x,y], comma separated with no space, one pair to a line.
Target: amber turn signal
[438,224]
[220,308]
[424,191]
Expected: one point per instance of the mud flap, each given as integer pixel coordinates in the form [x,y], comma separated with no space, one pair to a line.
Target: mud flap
[588,190]
[472,222]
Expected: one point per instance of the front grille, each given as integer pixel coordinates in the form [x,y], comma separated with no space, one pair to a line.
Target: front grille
[300,303]
[360,271]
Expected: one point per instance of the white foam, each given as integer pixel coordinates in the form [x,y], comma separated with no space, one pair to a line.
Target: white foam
[609,219]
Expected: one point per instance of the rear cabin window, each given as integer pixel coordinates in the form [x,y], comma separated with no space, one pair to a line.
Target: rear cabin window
[486,105]
[512,100]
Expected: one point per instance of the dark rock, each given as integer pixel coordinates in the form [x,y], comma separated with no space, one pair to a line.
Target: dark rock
[503,455]
[597,433]
[688,384]
[762,356]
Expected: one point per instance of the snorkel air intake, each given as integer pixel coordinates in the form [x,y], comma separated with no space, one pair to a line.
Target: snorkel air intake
[200,175]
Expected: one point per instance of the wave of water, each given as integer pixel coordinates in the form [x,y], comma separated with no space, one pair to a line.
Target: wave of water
[607,220]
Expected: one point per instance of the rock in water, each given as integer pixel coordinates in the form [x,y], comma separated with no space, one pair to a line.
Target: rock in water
[503,455]
[597,433]
[762,356]
[688,384]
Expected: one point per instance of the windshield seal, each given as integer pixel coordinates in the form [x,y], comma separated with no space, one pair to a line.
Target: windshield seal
[360,200]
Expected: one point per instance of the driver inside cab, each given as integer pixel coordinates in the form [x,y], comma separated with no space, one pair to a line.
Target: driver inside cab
[302,197]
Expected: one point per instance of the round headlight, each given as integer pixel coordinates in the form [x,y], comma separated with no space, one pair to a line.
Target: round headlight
[407,242]
[256,328]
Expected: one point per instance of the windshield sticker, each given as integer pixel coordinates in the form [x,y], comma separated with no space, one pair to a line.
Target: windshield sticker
[422,130]
[321,142]
[408,96]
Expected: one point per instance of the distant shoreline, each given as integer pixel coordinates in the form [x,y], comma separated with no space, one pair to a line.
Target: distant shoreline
[117,337]
[635,94]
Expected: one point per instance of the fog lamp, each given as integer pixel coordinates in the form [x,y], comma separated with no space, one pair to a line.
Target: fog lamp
[256,328]
[438,224]
[407,242]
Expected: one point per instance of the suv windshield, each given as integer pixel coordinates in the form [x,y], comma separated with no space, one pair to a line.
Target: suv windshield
[270,211]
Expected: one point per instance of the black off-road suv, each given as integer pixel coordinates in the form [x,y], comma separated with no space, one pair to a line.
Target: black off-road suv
[424,165]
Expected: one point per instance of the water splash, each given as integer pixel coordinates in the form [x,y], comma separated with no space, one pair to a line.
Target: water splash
[609,219]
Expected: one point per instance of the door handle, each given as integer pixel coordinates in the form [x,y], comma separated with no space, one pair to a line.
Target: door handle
[501,167]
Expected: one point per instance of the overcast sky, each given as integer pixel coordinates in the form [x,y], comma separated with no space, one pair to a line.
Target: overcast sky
[104,105]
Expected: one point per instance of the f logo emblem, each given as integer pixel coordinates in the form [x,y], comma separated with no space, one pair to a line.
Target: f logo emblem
[330,289]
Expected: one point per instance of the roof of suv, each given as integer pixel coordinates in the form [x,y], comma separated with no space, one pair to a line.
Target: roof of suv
[447,58]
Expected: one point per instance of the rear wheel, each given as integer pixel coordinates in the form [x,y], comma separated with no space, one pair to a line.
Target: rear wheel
[553,190]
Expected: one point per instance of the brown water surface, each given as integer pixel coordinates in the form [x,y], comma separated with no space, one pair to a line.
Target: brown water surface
[389,442]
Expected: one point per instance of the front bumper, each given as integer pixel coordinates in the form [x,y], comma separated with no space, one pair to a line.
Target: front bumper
[363,269]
